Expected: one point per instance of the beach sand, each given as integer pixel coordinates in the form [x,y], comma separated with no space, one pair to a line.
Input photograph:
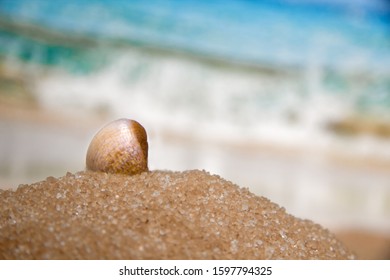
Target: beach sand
[368,245]
[153,215]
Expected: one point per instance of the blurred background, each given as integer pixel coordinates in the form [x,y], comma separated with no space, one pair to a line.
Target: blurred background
[290,98]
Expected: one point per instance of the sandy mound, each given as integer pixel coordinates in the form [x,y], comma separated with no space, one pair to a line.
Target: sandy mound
[155,215]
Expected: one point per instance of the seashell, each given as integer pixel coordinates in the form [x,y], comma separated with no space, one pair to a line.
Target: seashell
[119,147]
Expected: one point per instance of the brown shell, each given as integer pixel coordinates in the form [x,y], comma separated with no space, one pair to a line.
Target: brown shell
[119,147]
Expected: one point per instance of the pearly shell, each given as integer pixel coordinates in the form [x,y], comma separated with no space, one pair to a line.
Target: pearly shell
[119,147]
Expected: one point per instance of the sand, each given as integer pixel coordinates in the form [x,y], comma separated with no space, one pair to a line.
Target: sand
[153,215]
[367,244]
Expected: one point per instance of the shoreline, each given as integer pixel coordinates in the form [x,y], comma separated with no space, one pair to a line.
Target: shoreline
[14,113]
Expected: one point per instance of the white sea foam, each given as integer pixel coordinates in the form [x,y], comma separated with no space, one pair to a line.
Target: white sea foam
[228,103]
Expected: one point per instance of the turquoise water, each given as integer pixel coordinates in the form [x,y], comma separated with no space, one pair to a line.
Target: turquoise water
[273,32]
[321,53]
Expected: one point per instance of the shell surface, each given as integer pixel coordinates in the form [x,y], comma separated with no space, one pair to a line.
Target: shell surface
[119,147]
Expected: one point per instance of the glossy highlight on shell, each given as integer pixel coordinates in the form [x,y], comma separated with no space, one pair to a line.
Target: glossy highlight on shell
[119,147]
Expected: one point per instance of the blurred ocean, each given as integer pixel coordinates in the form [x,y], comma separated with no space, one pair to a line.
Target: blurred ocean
[240,63]
[221,83]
